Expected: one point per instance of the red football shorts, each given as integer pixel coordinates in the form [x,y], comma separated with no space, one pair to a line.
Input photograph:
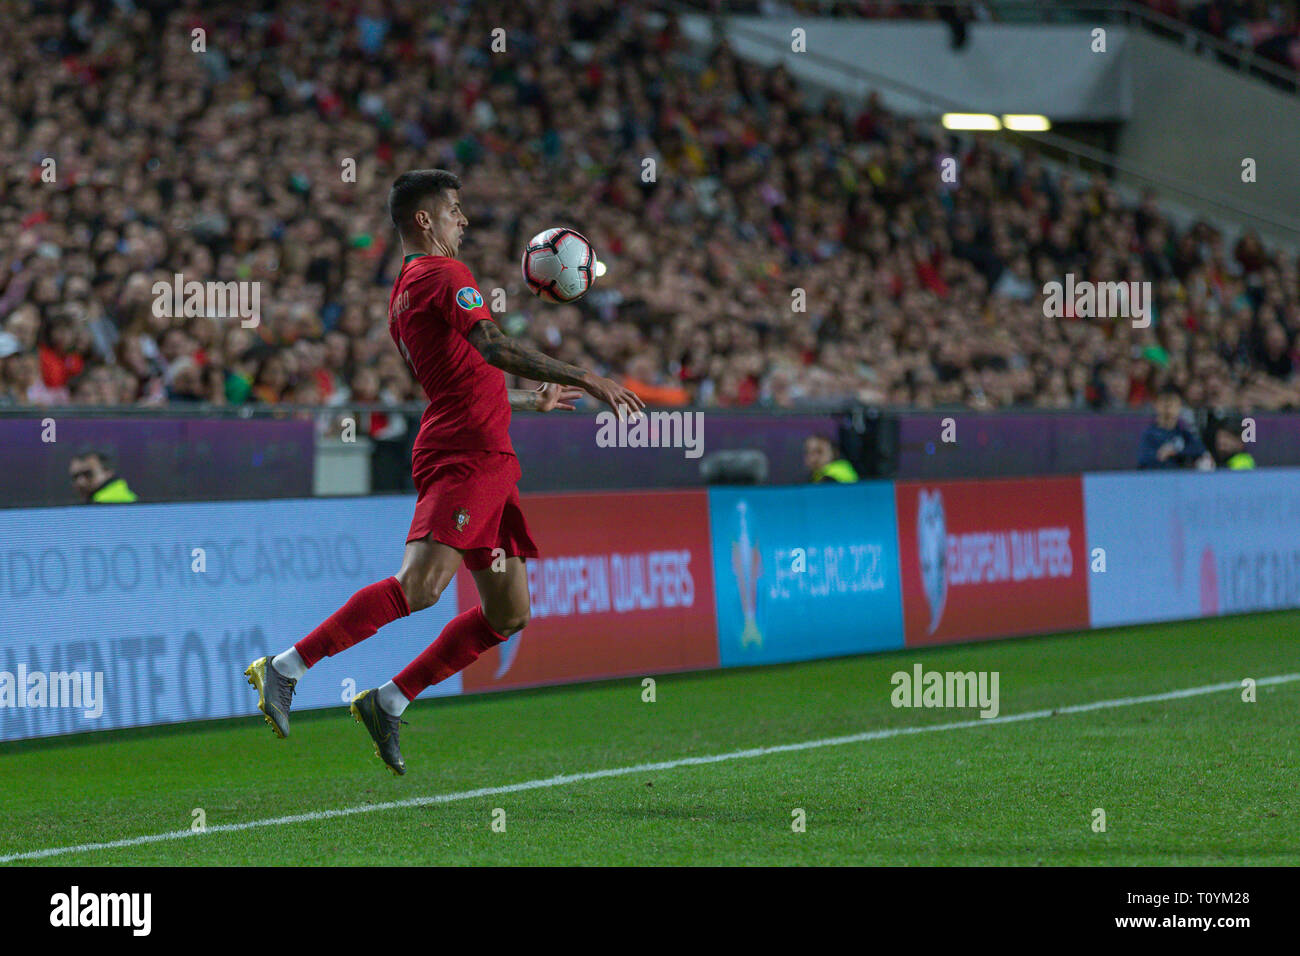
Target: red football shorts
[470,501]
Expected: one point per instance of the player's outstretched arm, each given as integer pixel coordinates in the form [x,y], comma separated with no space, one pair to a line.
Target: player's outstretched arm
[511,355]
[519,358]
[547,397]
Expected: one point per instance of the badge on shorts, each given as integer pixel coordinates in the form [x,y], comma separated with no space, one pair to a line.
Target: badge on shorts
[468,298]
[462,518]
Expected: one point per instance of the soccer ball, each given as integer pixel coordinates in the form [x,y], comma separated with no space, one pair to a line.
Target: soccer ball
[560,265]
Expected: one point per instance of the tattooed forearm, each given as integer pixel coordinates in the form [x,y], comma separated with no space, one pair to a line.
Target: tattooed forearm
[516,357]
[524,399]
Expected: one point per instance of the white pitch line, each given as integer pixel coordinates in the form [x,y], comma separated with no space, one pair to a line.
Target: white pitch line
[567,778]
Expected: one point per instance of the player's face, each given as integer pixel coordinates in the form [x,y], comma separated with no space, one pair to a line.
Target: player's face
[448,223]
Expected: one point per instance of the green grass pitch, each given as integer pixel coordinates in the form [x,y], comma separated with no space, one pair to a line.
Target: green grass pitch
[1198,780]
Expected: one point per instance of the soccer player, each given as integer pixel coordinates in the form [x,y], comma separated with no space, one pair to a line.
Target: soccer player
[463,465]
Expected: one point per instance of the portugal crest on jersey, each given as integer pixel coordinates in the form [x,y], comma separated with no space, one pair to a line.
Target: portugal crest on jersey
[462,518]
[468,298]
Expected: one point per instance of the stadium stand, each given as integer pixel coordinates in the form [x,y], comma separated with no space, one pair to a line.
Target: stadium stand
[227,166]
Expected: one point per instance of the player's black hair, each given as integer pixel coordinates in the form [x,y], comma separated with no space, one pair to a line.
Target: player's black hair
[412,188]
[1171,389]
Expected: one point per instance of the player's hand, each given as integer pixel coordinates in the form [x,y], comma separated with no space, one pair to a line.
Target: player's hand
[614,395]
[557,396]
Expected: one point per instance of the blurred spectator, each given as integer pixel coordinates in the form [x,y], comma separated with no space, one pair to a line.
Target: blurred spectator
[1169,442]
[60,360]
[95,481]
[1229,450]
[186,382]
[22,381]
[644,379]
[824,463]
[272,380]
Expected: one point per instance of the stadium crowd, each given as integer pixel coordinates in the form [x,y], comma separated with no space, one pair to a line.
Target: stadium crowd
[232,164]
[1269,29]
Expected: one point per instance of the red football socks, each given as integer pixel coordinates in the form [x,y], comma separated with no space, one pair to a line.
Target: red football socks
[466,636]
[366,612]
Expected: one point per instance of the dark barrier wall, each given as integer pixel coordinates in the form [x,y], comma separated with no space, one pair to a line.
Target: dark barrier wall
[1017,444]
[161,459]
[992,445]
[559,451]
[173,459]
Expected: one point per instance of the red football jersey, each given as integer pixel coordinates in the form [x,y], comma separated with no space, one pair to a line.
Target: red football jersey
[435,302]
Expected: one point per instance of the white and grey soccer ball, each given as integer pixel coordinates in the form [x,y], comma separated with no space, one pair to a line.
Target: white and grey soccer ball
[560,265]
